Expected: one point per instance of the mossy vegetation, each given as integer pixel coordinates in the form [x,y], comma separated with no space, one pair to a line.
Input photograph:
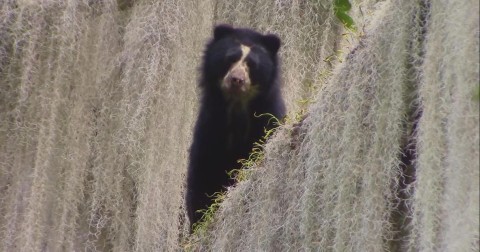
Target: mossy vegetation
[97,103]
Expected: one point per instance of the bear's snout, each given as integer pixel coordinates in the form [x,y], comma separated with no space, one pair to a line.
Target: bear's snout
[237,80]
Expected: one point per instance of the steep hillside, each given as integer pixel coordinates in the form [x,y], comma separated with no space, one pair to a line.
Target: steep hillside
[98,100]
[388,156]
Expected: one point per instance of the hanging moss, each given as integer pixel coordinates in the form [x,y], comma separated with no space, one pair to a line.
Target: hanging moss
[97,101]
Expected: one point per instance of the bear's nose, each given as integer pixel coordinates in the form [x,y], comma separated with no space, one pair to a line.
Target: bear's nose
[237,81]
[237,78]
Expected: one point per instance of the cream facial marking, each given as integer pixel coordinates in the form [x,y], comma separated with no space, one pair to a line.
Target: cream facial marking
[245,51]
[236,82]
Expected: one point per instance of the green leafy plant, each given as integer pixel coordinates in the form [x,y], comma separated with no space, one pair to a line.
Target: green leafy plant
[257,153]
[202,225]
[341,7]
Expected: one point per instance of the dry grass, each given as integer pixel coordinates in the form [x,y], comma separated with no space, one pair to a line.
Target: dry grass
[96,123]
[446,199]
[97,104]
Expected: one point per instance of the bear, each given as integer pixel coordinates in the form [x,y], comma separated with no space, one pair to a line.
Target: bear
[239,81]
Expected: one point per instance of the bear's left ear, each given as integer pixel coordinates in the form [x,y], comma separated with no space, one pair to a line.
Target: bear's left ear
[222,30]
[271,43]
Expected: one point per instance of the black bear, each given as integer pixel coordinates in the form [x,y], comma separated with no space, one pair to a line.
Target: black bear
[239,81]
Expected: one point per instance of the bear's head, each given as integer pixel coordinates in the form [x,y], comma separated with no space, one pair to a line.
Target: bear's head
[242,63]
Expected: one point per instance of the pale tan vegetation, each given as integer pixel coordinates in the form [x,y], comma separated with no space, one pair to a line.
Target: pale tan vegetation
[98,99]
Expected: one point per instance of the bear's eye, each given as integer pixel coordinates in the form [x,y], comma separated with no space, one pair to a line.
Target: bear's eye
[252,61]
[232,56]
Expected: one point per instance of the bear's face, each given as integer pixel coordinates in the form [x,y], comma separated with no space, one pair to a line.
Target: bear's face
[240,62]
[237,82]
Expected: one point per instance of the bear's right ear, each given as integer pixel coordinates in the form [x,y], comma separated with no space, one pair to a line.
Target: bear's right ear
[272,43]
[221,31]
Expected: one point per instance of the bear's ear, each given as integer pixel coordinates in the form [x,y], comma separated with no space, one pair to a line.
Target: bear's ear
[271,43]
[221,31]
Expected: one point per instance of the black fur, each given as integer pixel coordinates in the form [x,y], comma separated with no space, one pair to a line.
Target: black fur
[225,131]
